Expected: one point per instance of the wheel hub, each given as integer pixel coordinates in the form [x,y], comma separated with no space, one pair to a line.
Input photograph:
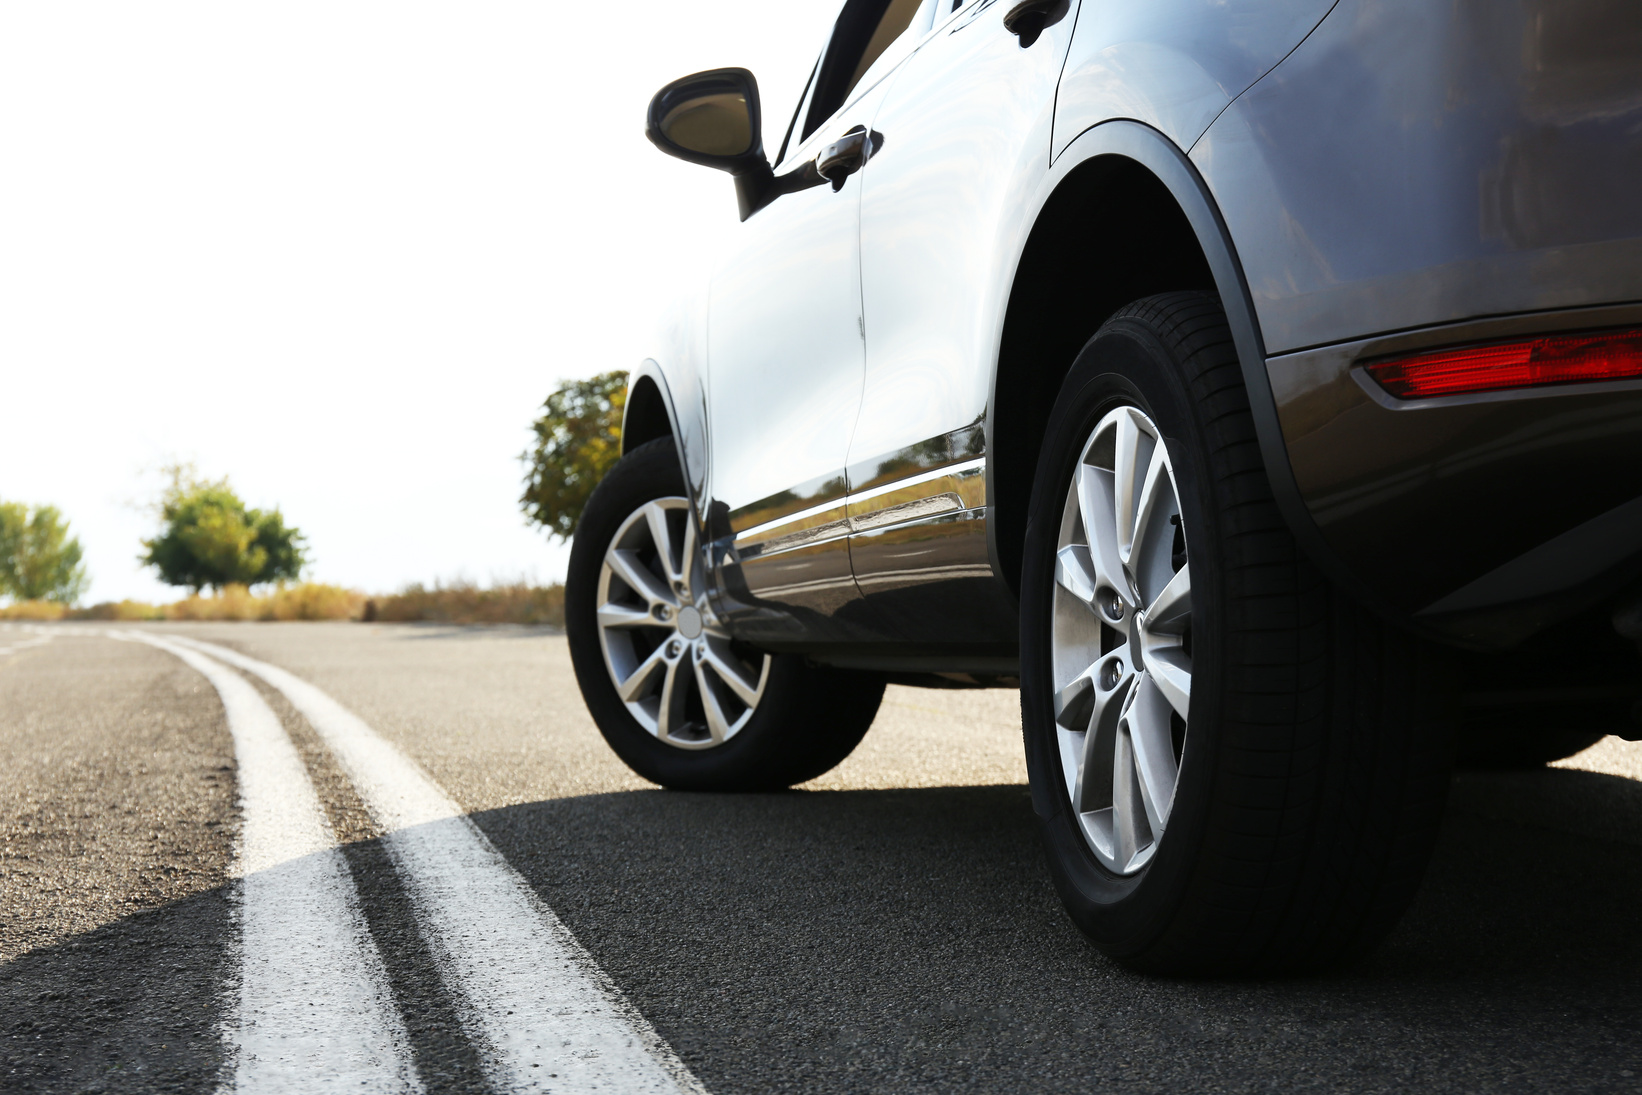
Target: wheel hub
[652,610]
[1120,639]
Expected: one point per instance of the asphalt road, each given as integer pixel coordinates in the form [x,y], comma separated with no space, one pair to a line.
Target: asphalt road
[889,927]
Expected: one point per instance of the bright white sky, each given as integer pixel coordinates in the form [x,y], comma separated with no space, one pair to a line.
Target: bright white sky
[340,252]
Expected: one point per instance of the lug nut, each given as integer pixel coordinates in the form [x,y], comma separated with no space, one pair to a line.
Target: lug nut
[674,647]
[1110,674]
[1111,604]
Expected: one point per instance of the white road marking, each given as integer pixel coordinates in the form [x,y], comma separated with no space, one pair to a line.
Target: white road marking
[540,1012]
[314,1010]
[24,644]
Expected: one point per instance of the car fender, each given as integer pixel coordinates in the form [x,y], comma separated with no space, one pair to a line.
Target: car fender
[1168,163]
[674,378]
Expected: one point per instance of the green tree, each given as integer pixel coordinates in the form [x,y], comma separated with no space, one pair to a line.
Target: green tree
[39,560]
[578,439]
[211,538]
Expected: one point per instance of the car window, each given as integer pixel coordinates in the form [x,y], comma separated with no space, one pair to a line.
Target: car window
[798,111]
[896,21]
[864,33]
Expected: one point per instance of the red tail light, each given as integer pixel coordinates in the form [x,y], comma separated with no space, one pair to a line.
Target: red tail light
[1552,359]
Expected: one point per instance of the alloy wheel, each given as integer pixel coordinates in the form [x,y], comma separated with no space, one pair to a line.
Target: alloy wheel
[1121,639]
[674,666]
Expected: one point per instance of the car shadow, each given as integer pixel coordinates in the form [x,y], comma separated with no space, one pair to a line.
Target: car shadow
[911,940]
[133,1005]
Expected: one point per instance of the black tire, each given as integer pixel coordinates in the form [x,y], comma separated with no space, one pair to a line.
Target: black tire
[808,720]
[1315,767]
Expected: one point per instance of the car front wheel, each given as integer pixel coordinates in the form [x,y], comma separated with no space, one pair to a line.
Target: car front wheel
[673,692]
[1236,768]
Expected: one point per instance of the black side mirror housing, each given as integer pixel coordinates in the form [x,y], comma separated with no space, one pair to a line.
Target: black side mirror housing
[712,118]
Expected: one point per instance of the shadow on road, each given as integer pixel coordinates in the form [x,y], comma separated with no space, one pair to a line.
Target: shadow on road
[910,939]
[131,1006]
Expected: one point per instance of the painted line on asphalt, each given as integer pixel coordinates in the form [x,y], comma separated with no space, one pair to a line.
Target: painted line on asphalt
[24,644]
[313,1010]
[541,1013]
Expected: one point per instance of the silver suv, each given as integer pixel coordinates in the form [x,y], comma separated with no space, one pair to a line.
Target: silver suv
[1257,385]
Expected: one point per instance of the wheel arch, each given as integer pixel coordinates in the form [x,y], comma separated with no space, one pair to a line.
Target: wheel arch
[654,410]
[648,413]
[1092,248]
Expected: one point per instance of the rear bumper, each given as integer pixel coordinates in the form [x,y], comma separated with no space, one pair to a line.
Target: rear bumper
[1479,519]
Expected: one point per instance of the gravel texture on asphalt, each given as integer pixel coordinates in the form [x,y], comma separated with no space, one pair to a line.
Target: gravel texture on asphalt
[890,926]
[118,814]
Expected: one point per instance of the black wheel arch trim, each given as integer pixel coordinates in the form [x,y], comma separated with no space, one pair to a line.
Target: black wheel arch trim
[686,422]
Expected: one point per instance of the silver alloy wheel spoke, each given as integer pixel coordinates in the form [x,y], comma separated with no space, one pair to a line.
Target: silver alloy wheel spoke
[1147,724]
[675,668]
[669,705]
[627,566]
[717,726]
[613,615]
[662,537]
[1075,571]
[1121,639]
[1162,635]
[636,683]
[1114,678]
[1096,507]
[716,656]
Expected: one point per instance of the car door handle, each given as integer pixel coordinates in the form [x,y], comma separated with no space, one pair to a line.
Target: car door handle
[1027,19]
[843,157]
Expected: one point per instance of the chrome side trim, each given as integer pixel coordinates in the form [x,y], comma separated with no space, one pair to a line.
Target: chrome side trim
[962,472]
[839,517]
[802,538]
[916,510]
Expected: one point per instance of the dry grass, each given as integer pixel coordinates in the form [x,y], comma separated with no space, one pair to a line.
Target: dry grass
[456,603]
[119,610]
[313,601]
[33,610]
[468,603]
[307,601]
[229,603]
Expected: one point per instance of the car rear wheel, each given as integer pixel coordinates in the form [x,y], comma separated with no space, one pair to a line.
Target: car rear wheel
[1235,767]
[674,693]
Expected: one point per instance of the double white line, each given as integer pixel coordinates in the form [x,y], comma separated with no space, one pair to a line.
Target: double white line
[314,1007]
[40,639]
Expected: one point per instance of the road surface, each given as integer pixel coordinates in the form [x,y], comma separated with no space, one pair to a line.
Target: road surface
[293,857]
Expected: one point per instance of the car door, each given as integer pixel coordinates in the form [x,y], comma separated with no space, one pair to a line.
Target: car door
[785,360]
[966,137]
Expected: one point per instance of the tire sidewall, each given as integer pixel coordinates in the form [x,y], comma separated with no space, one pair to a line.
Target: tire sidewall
[1126,363]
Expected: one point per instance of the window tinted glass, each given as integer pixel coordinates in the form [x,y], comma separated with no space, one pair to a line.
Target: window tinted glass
[865,29]
[894,23]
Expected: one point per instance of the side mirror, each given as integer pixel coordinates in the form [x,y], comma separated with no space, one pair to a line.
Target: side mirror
[712,118]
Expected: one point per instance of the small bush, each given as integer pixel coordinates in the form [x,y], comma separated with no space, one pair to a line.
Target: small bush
[308,601]
[233,603]
[34,610]
[119,610]
[468,603]
[313,601]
